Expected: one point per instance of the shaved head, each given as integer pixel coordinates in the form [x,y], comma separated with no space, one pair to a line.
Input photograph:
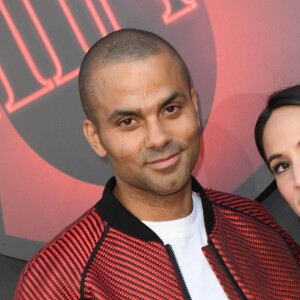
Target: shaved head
[124,45]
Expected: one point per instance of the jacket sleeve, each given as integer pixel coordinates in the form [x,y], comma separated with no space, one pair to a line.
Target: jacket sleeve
[55,272]
[256,210]
[289,240]
[49,275]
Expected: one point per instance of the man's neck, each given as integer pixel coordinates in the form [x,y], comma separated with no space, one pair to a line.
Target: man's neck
[149,206]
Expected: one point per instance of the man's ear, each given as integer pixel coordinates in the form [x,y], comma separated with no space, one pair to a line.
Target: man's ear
[194,96]
[92,135]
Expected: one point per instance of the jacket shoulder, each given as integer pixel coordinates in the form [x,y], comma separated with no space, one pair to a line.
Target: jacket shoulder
[254,210]
[238,203]
[57,268]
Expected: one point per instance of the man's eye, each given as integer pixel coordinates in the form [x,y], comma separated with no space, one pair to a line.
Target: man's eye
[171,109]
[126,122]
[280,167]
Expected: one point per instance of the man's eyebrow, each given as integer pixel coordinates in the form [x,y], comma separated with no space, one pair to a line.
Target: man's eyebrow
[137,112]
[172,98]
[123,112]
[272,157]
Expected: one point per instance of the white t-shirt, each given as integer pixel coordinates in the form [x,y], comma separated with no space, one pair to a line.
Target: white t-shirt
[187,236]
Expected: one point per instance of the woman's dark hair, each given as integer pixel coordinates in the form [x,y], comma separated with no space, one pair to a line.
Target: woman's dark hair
[287,96]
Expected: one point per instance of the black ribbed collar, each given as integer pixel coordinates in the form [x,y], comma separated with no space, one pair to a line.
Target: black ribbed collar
[118,217]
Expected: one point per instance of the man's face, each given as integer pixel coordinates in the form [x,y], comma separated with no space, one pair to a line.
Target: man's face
[148,124]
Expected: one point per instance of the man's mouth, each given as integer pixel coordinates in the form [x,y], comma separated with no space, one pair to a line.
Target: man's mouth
[163,163]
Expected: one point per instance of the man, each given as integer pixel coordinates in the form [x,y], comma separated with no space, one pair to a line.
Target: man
[156,233]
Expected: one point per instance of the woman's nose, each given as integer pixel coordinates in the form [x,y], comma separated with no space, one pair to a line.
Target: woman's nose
[296,173]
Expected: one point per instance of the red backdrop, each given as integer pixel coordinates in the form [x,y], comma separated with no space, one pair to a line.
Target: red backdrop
[238,53]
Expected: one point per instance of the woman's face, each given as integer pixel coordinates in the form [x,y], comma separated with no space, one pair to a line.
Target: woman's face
[281,141]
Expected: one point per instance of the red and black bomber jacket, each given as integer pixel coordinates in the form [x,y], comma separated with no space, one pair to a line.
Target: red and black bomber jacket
[110,254]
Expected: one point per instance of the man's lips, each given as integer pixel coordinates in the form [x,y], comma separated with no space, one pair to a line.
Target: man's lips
[164,162]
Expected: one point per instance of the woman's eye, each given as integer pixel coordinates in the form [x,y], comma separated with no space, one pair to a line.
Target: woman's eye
[281,167]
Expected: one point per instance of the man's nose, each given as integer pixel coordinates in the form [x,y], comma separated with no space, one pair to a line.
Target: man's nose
[157,135]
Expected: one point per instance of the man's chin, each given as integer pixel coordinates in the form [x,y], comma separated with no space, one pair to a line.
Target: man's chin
[170,186]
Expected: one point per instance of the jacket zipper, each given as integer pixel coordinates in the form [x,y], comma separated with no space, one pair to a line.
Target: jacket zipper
[231,278]
[171,253]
